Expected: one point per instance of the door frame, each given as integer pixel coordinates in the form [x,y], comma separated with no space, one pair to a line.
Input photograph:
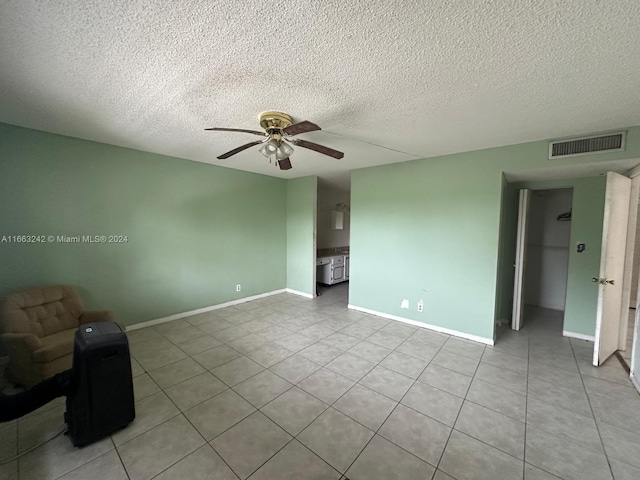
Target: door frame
[524,200]
[634,174]
[629,254]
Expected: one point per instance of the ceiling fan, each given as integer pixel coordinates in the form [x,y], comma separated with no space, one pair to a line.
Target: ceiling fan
[279,129]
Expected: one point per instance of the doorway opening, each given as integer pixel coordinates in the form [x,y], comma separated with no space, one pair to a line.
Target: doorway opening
[333,254]
[545,260]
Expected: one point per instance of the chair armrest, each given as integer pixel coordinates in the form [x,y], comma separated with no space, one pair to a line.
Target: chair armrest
[22,343]
[96,316]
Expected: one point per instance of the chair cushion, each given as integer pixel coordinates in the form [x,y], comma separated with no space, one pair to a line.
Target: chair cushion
[55,346]
[43,311]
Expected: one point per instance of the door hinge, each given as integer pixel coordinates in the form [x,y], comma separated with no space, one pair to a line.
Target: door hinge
[603,281]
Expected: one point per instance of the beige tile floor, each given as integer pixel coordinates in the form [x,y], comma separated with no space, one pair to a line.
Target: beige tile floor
[290,388]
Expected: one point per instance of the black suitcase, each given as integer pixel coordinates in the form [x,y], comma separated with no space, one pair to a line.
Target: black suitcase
[100,399]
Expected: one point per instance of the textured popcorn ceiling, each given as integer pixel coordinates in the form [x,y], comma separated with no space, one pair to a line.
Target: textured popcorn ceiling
[388,81]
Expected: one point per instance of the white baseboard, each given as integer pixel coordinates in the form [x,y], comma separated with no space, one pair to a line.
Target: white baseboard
[297,292]
[177,316]
[448,331]
[579,336]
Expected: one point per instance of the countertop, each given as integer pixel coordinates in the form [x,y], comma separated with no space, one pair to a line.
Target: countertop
[331,252]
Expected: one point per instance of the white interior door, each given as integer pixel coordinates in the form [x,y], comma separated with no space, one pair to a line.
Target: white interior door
[521,255]
[635,352]
[612,260]
[630,267]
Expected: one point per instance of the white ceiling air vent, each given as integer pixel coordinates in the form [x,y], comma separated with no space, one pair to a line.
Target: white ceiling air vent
[606,142]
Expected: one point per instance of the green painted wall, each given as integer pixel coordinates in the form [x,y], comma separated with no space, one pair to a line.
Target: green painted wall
[582,293]
[301,233]
[194,230]
[430,229]
[586,227]
[419,231]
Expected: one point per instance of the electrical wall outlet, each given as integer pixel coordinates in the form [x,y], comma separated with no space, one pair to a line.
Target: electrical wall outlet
[238,287]
[420,305]
[404,304]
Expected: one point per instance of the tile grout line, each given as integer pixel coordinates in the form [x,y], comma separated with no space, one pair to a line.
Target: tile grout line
[260,466]
[316,341]
[185,416]
[119,457]
[604,450]
[415,381]
[114,449]
[180,413]
[295,385]
[142,433]
[562,408]
[527,405]
[458,415]
[206,442]
[324,366]
[377,364]
[110,436]
[494,411]
[391,413]
[259,409]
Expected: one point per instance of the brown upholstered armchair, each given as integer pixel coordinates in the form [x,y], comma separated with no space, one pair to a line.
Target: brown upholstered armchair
[38,331]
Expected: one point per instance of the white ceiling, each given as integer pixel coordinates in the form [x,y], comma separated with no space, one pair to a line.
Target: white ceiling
[387,80]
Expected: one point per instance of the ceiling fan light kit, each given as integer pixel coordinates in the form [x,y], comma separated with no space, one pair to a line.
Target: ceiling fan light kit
[283,151]
[278,127]
[269,148]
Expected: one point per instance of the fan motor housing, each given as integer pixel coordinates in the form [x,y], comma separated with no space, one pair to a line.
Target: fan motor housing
[274,121]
